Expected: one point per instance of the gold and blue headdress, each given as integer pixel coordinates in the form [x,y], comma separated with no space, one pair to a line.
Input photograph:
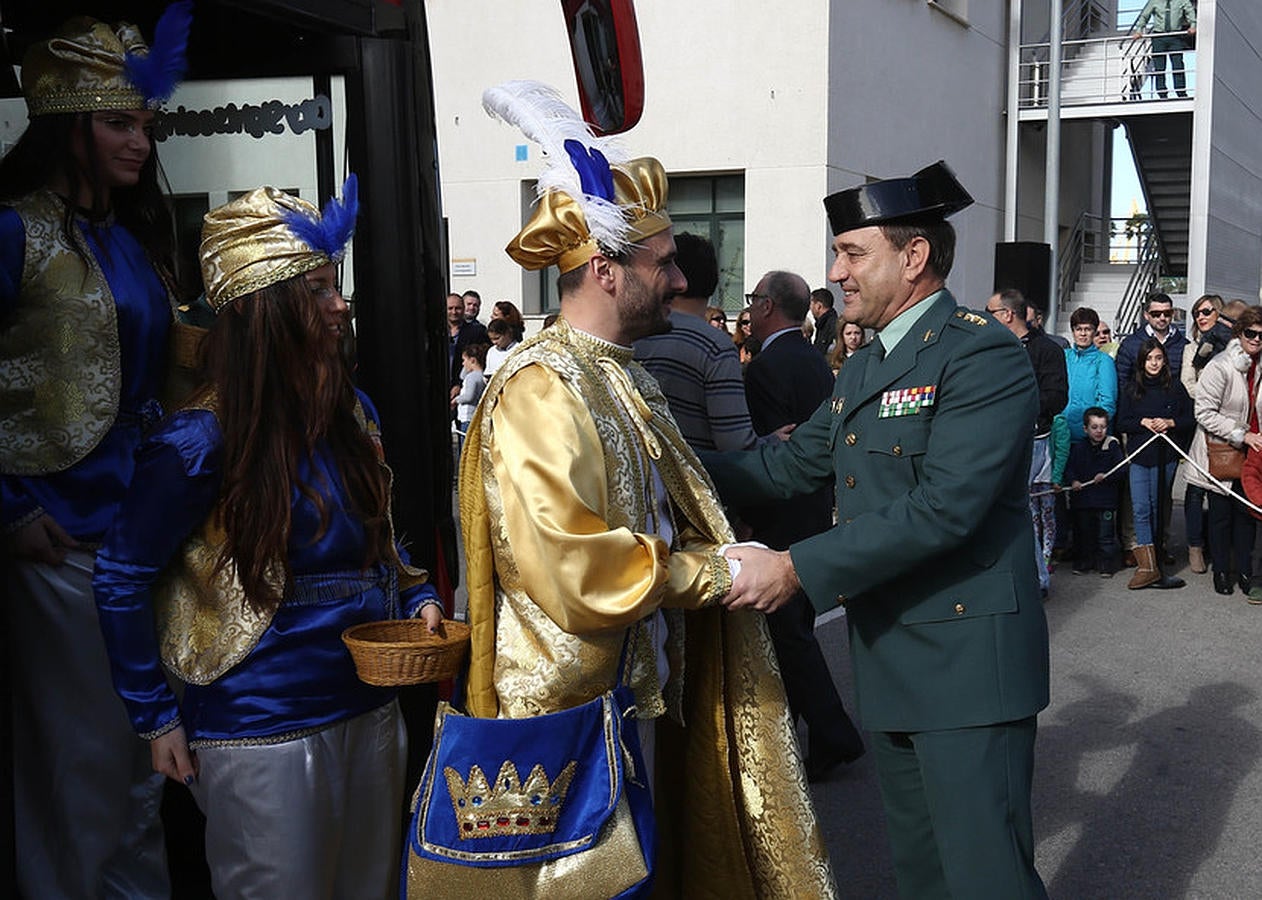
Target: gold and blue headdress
[267,236]
[592,199]
[88,66]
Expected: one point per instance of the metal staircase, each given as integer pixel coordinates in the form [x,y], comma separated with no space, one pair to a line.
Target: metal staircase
[1109,265]
[1163,158]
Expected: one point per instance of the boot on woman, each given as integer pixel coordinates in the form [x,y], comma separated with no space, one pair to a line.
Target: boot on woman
[1147,572]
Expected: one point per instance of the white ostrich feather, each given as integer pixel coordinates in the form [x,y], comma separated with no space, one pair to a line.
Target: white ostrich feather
[545,118]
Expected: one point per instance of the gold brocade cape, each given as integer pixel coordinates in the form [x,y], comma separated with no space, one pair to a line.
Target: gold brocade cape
[60,373]
[733,809]
[204,624]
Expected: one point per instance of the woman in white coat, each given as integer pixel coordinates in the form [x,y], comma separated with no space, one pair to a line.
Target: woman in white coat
[1227,409]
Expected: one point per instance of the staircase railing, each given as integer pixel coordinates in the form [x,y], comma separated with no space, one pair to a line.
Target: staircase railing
[1097,239]
[1124,69]
[1071,253]
[1142,282]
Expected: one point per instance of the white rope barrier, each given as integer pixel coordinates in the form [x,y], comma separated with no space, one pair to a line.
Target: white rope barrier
[1226,488]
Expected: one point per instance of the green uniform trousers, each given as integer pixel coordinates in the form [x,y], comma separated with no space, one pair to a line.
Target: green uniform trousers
[957,803]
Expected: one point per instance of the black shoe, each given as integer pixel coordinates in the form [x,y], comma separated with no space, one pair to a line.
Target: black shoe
[1243,581]
[1222,582]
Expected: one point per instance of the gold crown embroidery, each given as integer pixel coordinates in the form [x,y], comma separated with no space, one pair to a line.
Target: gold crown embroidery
[510,807]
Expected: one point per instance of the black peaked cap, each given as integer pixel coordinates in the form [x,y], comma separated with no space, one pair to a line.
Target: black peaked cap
[930,195]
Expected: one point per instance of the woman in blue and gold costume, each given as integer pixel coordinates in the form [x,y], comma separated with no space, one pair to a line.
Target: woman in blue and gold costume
[85,312]
[257,530]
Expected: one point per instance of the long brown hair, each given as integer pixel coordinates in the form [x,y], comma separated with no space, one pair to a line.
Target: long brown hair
[280,388]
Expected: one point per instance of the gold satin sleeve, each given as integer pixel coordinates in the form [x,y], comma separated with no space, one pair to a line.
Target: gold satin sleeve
[698,575]
[585,571]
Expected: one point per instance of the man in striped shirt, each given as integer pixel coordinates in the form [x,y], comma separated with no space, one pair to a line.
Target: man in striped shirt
[696,364]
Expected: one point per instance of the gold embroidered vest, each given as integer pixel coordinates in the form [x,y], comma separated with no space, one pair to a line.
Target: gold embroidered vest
[205,625]
[58,351]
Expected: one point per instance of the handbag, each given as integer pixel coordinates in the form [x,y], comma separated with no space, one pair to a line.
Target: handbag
[555,805]
[1225,461]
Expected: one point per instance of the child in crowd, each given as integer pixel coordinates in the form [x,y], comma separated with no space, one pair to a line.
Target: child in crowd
[502,340]
[472,384]
[1153,403]
[1093,504]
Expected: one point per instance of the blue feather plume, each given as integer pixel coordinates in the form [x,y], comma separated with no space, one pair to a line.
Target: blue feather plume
[157,74]
[332,230]
[593,169]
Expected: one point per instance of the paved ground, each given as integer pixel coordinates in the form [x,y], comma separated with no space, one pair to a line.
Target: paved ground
[1149,760]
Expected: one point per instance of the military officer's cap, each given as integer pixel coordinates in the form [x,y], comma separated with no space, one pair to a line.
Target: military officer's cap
[930,195]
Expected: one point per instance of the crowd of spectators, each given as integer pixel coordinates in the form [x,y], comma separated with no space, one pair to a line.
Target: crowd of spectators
[1200,390]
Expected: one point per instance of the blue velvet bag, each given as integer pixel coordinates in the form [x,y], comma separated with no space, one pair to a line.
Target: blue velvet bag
[555,805]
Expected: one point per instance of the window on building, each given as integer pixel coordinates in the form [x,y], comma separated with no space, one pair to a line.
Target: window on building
[712,206]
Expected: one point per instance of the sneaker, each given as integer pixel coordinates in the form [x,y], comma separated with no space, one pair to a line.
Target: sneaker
[1078,571]
[1255,595]
[1106,574]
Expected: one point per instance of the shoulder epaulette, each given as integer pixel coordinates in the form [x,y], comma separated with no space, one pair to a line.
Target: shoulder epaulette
[971,317]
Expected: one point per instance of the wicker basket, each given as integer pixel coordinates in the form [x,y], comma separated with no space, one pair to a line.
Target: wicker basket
[402,651]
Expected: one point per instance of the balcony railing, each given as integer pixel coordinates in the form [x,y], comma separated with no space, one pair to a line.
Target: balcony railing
[1110,69]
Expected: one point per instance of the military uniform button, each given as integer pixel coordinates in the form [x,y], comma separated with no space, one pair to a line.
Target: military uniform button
[841,599]
[898,450]
[849,481]
[959,609]
[851,439]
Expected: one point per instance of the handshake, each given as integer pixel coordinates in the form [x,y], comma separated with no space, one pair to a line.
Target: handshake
[762,579]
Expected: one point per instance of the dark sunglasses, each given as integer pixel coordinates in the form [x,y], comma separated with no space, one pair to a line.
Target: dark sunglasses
[1253,334]
[1204,311]
[1161,313]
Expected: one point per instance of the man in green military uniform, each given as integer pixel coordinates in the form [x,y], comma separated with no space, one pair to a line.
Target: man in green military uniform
[927,434]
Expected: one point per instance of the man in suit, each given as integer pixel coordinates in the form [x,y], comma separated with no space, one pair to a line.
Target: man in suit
[784,384]
[825,319]
[927,434]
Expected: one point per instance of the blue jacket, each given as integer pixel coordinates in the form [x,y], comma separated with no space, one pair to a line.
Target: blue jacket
[1092,382]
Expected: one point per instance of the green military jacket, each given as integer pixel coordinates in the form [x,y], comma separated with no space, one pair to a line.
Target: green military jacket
[933,551]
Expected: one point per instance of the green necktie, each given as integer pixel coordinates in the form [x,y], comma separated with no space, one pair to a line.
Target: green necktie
[876,353]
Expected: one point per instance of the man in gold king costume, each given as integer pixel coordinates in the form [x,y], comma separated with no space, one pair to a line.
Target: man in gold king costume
[588,521]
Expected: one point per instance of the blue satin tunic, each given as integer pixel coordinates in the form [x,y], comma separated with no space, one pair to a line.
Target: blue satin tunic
[299,677]
[84,497]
